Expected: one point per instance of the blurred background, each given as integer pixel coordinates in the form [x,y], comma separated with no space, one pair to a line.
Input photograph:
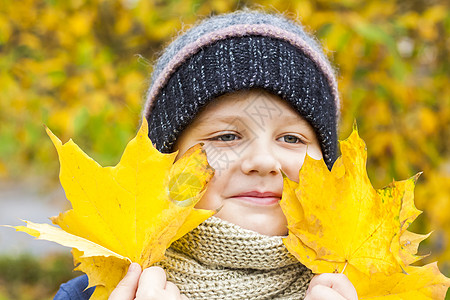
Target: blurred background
[81,67]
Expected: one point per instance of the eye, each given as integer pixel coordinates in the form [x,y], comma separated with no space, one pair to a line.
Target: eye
[226,137]
[291,139]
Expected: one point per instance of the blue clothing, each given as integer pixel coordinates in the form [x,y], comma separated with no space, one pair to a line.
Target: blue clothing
[75,289]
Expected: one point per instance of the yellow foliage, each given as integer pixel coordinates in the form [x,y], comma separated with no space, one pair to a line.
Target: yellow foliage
[418,283]
[128,213]
[339,223]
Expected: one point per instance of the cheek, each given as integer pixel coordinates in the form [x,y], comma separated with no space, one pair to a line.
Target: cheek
[208,201]
[291,169]
[315,152]
[220,158]
[226,168]
[292,163]
[212,199]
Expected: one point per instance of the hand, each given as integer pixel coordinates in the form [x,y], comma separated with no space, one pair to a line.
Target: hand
[150,284]
[331,286]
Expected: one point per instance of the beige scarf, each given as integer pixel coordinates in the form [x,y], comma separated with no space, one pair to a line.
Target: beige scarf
[220,260]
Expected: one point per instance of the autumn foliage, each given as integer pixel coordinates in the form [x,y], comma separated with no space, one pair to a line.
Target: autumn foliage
[339,223]
[81,67]
[127,213]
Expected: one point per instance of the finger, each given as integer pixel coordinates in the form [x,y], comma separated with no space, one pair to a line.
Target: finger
[152,283]
[126,289]
[337,282]
[172,290]
[320,292]
[154,275]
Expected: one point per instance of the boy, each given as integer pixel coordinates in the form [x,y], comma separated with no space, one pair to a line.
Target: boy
[259,93]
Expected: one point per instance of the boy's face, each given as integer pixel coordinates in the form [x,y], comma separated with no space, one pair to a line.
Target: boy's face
[249,137]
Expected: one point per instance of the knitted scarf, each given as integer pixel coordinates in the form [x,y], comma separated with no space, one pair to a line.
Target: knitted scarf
[220,260]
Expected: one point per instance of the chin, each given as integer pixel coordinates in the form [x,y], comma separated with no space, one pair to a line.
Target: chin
[266,229]
[271,225]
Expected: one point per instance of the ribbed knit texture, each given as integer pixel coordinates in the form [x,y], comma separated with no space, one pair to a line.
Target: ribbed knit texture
[242,51]
[220,260]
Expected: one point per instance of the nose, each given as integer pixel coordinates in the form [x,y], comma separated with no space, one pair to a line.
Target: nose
[260,159]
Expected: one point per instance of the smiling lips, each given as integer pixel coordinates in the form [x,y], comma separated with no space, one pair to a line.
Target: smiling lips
[259,198]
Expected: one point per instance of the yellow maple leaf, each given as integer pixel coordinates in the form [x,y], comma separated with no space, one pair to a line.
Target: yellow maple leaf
[128,213]
[344,220]
[418,283]
[339,223]
[405,243]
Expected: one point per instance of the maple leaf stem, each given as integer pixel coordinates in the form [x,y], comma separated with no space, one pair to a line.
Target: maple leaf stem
[345,266]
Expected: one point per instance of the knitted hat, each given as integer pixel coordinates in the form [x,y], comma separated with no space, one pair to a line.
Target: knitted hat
[236,51]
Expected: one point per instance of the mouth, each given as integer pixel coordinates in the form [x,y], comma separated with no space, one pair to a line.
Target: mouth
[259,198]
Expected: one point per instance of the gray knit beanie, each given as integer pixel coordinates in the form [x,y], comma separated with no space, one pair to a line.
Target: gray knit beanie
[237,51]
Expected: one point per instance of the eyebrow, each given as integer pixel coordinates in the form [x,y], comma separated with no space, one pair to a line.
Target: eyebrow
[223,119]
[230,119]
[299,122]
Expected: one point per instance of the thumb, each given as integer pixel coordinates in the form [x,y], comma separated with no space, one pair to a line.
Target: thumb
[126,289]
